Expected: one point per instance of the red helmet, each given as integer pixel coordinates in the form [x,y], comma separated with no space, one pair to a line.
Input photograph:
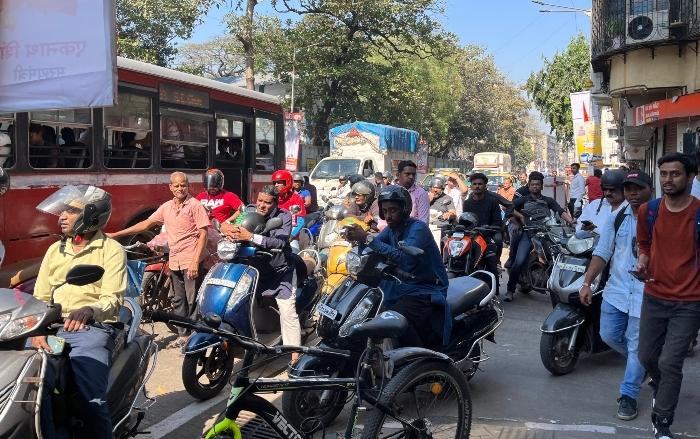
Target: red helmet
[286,177]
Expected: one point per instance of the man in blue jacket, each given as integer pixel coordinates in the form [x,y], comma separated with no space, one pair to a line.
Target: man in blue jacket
[413,298]
[276,273]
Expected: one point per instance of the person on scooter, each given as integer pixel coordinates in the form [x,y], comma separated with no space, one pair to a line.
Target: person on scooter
[221,204]
[299,189]
[536,205]
[622,296]
[282,180]
[363,204]
[88,310]
[276,273]
[441,202]
[413,298]
[597,212]
[487,209]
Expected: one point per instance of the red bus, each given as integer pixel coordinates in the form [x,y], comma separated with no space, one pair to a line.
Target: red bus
[165,120]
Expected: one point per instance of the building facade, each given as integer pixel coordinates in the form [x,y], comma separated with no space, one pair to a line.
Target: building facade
[644,55]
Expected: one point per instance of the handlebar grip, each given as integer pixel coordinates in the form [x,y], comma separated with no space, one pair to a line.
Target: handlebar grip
[166,317]
[404,274]
[328,352]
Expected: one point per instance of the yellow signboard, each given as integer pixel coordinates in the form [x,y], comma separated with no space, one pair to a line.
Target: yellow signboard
[589,148]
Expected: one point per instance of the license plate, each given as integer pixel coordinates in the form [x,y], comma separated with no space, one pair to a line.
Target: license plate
[326,311]
[458,235]
[572,267]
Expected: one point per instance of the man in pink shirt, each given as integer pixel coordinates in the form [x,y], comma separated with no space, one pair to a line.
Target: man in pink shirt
[186,221]
[421,202]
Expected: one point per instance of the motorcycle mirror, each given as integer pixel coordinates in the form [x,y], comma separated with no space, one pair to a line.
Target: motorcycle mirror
[212,320]
[324,197]
[80,275]
[216,224]
[409,250]
[272,223]
[295,209]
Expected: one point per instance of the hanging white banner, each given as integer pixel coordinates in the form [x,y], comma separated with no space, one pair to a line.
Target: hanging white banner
[57,54]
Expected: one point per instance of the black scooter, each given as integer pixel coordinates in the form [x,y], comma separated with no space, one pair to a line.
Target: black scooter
[476,314]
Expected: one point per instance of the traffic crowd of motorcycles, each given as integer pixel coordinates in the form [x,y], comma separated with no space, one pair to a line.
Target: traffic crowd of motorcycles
[351,352]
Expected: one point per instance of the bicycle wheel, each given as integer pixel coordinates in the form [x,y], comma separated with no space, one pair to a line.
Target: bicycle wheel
[431,396]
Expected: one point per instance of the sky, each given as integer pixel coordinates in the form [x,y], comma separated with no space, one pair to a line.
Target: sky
[513,31]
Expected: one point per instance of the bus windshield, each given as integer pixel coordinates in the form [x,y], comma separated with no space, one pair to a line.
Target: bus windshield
[334,168]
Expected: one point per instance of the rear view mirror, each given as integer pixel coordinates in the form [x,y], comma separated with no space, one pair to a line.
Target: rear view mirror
[295,209]
[81,275]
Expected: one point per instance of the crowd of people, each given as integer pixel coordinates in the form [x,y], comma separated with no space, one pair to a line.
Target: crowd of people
[651,299]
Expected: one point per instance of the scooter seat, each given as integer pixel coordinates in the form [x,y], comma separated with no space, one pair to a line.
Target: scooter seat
[464,293]
[388,324]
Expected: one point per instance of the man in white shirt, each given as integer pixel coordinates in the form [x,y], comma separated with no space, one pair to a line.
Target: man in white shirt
[597,212]
[457,190]
[577,189]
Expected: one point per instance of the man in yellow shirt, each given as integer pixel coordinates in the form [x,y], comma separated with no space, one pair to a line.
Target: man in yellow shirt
[87,310]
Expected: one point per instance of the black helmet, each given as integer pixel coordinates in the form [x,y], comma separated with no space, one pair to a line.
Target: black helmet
[613,179]
[252,222]
[4,182]
[213,178]
[468,220]
[438,181]
[366,188]
[398,194]
[94,203]
[354,178]
[298,177]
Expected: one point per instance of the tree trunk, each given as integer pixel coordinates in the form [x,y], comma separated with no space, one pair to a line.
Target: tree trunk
[247,40]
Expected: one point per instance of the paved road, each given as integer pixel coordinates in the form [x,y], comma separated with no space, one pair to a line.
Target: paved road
[513,396]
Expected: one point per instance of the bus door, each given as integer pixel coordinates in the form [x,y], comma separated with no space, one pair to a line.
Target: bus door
[232,136]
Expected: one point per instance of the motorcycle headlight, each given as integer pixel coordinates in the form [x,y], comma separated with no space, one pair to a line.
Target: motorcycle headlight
[456,248]
[242,287]
[358,315]
[578,246]
[14,328]
[353,262]
[227,250]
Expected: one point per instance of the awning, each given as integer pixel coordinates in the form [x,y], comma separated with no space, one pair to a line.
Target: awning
[675,107]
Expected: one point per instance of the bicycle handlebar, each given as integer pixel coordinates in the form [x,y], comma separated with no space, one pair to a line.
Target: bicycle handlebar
[166,317]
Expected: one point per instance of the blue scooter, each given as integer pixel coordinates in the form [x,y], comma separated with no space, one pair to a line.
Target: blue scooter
[229,291]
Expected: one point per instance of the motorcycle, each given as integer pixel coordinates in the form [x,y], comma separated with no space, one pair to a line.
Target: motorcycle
[571,327]
[476,314]
[229,291]
[24,370]
[545,248]
[465,247]
[334,258]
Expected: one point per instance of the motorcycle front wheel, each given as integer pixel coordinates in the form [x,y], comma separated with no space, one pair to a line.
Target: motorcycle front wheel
[555,354]
[205,373]
[303,407]
[433,396]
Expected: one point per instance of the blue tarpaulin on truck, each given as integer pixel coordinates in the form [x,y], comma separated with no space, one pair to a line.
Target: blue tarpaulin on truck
[390,138]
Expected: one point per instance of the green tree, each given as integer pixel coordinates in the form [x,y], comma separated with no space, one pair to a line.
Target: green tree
[147,28]
[549,88]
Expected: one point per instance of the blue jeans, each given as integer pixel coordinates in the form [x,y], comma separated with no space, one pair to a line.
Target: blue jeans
[90,351]
[522,253]
[620,331]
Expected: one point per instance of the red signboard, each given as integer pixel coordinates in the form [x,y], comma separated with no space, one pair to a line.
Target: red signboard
[675,107]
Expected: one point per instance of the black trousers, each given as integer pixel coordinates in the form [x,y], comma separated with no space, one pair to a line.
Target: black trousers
[185,295]
[419,312]
[666,329]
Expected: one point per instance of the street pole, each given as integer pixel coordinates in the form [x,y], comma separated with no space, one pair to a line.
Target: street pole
[294,62]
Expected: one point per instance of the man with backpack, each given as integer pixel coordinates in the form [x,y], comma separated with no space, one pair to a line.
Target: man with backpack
[668,235]
[622,296]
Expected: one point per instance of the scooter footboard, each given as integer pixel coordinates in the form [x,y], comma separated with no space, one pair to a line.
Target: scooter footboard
[563,317]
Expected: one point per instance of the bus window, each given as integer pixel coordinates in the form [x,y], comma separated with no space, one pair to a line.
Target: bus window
[264,144]
[60,138]
[128,133]
[7,139]
[229,142]
[184,142]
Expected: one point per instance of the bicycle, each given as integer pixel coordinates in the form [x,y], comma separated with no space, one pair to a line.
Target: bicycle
[381,379]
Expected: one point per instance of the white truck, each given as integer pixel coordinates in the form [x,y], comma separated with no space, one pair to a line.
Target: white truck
[362,148]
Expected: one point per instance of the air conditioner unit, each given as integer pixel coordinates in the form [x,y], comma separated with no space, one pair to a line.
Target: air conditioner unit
[650,26]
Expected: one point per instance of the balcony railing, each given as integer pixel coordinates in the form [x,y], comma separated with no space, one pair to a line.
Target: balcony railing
[621,25]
